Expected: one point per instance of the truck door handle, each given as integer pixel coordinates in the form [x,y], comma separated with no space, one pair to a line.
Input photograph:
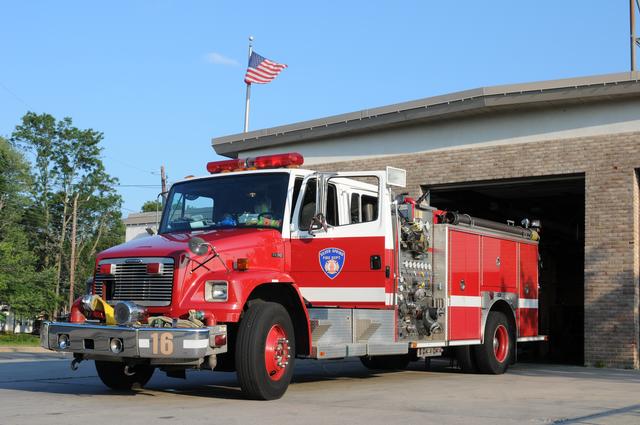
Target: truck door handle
[375,262]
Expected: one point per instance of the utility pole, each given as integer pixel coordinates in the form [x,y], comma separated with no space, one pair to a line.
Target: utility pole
[72,262]
[163,181]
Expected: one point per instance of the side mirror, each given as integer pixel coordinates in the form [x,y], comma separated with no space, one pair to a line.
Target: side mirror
[318,222]
[198,246]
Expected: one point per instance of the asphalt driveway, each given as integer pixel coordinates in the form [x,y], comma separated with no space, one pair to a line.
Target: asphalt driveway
[40,388]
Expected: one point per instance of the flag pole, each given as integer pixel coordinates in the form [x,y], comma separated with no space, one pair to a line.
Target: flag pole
[248,97]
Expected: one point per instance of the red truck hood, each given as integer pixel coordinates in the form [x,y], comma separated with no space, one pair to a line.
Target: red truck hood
[175,244]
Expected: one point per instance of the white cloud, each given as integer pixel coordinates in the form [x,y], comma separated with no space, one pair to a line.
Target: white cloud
[218,59]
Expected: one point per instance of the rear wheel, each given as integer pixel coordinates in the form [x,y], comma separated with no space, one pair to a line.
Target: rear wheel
[114,375]
[394,362]
[466,359]
[494,354]
[265,351]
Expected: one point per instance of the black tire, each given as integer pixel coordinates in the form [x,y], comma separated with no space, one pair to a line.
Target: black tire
[391,362]
[466,359]
[260,324]
[491,360]
[112,375]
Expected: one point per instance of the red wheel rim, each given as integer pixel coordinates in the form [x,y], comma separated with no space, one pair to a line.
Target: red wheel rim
[276,352]
[501,343]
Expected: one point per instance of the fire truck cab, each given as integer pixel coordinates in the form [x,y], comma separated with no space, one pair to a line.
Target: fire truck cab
[261,263]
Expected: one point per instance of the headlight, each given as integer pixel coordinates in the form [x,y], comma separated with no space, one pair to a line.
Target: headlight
[63,341]
[215,290]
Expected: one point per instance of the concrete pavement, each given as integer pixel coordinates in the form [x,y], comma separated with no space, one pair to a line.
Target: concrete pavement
[40,388]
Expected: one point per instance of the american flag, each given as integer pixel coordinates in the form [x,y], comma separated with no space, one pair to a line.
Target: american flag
[261,70]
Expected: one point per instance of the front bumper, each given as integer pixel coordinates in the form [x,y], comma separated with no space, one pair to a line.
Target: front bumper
[161,345]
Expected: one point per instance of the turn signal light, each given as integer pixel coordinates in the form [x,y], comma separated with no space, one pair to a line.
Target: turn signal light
[154,268]
[242,264]
[220,340]
[108,269]
[291,159]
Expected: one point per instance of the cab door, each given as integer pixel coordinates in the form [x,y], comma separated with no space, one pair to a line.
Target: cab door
[336,259]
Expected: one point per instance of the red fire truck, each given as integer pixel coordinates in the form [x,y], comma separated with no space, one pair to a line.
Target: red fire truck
[262,262]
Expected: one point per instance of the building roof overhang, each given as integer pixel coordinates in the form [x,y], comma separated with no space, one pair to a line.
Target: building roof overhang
[512,97]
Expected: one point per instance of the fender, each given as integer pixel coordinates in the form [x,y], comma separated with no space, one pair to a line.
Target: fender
[505,300]
[241,286]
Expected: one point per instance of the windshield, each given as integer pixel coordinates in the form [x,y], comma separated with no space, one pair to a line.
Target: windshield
[251,200]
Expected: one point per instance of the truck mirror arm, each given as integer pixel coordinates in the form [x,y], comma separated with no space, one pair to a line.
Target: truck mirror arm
[320,221]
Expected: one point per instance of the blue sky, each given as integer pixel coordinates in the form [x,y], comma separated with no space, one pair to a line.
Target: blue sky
[161,78]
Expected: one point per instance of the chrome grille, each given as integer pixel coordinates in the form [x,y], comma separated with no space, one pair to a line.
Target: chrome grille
[131,282]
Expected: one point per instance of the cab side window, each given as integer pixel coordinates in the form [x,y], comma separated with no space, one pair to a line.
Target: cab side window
[297,185]
[308,207]
[369,208]
[354,208]
[359,199]
[332,205]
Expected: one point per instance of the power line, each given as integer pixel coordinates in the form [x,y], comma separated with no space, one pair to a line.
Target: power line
[15,95]
[154,173]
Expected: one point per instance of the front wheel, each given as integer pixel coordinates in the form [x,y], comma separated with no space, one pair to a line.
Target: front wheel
[265,351]
[114,375]
[494,354]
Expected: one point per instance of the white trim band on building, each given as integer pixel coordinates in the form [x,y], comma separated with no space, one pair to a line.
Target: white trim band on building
[321,294]
[528,303]
[464,301]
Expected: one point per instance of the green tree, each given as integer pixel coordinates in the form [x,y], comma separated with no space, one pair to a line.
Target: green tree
[27,291]
[22,286]
[69,180]
[14,185]
[151,206]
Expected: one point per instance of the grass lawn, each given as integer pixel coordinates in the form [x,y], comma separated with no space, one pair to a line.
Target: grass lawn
[22,340]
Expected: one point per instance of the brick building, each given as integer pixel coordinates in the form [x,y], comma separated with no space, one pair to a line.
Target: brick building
[565,151]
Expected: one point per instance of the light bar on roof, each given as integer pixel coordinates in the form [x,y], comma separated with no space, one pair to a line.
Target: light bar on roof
[289,160]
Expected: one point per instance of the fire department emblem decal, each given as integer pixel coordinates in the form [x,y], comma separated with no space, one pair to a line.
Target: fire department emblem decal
[331,261]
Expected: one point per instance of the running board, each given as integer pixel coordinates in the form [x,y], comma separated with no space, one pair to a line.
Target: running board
[533,338]
[357,350]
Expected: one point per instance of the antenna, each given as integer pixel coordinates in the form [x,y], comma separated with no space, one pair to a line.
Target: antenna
[634,41]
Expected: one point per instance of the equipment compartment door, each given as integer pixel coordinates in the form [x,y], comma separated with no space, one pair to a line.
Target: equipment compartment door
[499,265]
[464,285]
[528,294]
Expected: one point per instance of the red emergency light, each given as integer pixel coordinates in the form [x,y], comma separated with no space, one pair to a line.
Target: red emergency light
[291,159]
[225,166]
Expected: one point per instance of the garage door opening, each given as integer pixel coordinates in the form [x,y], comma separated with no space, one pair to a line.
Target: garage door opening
[558,202]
